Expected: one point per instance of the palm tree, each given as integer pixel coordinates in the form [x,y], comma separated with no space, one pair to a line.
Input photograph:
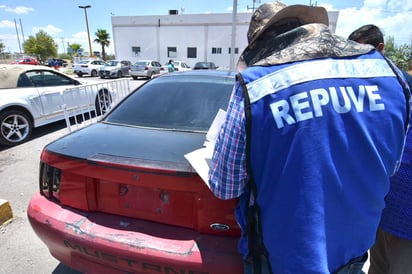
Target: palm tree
[103,38]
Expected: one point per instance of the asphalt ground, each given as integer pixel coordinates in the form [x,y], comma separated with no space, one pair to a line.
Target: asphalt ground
[21,251]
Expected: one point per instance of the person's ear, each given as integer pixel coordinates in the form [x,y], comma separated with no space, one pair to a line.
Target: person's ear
[380,47]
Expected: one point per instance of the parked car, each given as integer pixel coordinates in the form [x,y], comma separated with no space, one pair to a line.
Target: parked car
[27,61]
[60,62]
[119,196]
[115,69]
[179,66]
[88,67]
[145,68]
[32,96]
[205,65]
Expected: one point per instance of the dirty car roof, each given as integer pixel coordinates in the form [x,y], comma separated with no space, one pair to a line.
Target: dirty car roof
[9,74]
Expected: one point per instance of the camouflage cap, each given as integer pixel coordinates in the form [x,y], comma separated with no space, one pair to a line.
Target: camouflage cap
[270,15]
[261,16]
[273,19]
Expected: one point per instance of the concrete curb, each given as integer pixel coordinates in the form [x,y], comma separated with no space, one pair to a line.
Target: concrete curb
[5,212]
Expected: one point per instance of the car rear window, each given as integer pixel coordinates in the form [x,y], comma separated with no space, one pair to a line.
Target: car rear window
[112,63]
[185,103]
[141,63]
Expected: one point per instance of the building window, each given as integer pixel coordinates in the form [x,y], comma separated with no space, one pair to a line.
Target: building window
[216,50]
[236,50]
[171,52]
[136,51]
[191,52]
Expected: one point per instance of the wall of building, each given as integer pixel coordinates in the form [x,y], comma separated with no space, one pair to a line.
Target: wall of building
[210,34]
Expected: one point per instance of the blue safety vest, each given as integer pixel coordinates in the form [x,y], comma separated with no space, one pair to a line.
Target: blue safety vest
[325,136]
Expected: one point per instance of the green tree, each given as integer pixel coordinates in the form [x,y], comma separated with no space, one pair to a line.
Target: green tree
[75,47]
[103,38]
[41,45]
[2,46]
[110,57]
[400,55]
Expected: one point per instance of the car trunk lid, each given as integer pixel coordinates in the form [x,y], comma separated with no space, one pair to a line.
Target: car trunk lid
[139,173]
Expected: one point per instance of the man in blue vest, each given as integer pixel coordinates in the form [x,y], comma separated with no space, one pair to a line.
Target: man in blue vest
[314,129]
[392,251]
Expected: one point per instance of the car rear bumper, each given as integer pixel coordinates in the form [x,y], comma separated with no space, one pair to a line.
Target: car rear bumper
[107,73]
[143,73]
[83,71]
[92,242]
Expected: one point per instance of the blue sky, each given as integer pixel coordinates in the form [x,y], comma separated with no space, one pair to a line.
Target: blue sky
[65,21]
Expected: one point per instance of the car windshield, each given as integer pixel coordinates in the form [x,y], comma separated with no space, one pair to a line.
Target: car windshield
[112,63]
[83,62]
[184,103]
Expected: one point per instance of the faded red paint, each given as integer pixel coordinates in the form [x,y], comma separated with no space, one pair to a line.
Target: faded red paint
[121,243]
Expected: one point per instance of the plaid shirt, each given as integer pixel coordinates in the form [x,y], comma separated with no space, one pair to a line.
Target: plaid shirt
[227,175]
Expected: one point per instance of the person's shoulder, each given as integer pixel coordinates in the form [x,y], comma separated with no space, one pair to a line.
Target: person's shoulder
[408,78]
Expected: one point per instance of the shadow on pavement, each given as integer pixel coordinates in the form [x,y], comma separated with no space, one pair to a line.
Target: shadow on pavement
[50,128]
[63,269]
[41,131]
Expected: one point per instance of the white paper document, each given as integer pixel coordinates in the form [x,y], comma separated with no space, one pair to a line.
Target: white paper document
[200,158]
[214,129]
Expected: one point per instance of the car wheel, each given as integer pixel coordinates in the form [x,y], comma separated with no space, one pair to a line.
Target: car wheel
[80,74]
[119,74]
[93,73]
[16,127]
[134,77]
[103,102]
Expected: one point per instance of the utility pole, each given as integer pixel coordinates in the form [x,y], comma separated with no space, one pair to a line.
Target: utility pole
[64,49]
[87,25]
[311,4]
[17,33]
[22,33]
[253,6]
[233,43]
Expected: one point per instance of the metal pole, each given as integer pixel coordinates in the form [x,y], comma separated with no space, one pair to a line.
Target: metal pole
[22,33]
[87,25]
[17,33]
[232,46]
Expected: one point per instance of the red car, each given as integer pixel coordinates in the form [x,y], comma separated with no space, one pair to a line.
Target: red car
[27,61]
[120,197]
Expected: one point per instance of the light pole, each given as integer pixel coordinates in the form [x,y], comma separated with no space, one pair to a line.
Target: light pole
[87,25]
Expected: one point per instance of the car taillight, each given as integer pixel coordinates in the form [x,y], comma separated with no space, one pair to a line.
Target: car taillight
[146,68]
[162,68]
[49,179]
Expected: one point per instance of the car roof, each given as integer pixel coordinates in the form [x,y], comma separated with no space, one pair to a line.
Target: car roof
[175,61]
[210,72]
[145,60]
[9,74]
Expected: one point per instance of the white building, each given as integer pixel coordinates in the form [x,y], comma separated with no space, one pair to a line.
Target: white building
[186,37]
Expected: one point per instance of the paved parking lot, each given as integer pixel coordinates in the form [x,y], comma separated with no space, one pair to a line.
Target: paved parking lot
[21,251]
